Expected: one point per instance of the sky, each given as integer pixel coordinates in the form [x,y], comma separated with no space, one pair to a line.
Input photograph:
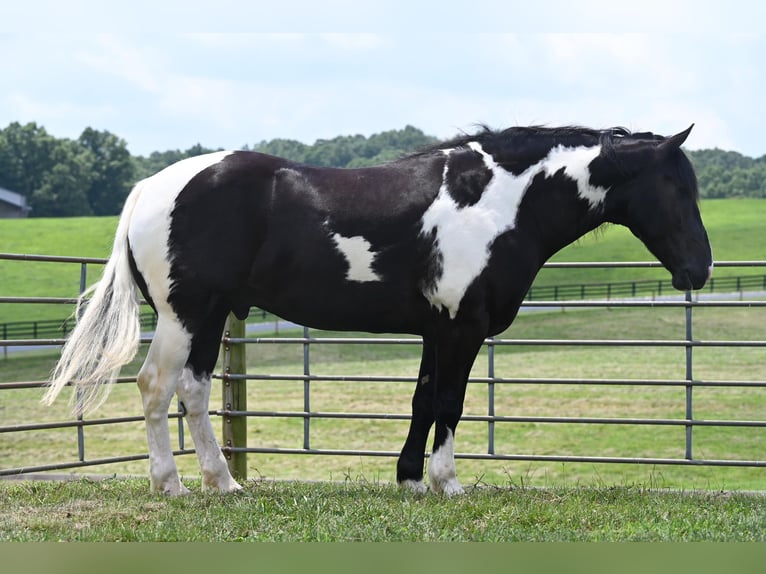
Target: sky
[168,75]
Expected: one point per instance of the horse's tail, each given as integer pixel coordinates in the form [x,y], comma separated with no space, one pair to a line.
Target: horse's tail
[107,333]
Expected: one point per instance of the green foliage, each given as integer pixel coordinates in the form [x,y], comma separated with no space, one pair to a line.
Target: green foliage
[93,174]
[349,151]
[157,161]
[61,177]
[729,174]
[112,171]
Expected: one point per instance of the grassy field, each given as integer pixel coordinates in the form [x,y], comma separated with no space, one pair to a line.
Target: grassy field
[735,227]
[122,510]
[50,446]
[355,499]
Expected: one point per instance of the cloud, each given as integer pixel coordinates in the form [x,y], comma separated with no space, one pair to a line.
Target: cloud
[161,91]
[130,61]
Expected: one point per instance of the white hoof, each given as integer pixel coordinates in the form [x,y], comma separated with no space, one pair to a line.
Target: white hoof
[450,487]
[222,484]
[171,488]
[415,486]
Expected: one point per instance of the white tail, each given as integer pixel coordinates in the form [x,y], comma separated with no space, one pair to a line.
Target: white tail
[108,331]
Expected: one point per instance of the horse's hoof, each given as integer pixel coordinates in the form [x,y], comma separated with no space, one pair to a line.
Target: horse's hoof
[414,486]
[450,487]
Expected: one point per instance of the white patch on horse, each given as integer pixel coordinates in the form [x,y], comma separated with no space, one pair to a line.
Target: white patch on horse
[359,257]
[464,235]
[150,221]
[575,162]
[441,468]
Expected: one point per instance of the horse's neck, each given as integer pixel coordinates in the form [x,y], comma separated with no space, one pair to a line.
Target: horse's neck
[564,224]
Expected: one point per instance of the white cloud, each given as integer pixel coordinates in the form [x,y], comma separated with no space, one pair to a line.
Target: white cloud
[354,42]
[165,91]
[130,61]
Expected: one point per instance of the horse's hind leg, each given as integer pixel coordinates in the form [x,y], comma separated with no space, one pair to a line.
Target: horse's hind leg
[157,380]
[194,392]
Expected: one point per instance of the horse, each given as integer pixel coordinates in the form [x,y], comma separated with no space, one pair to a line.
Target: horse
[442,243]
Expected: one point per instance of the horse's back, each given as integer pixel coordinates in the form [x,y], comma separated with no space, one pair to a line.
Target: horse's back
[255,229]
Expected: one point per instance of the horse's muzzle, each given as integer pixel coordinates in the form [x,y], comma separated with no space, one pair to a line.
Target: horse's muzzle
[688,278]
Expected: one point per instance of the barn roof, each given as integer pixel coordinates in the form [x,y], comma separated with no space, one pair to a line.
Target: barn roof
[16,201]
[13,198]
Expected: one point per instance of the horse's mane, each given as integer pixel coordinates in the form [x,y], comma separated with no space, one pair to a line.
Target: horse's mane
[521,137]
[537,141]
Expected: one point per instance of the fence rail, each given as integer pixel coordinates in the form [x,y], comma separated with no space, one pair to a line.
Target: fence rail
[641,288]
[234,413]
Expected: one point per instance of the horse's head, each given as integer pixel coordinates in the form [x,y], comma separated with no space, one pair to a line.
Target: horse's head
[656,198]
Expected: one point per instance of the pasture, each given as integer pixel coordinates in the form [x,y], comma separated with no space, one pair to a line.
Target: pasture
[354,498]
[122,510]
[48,446]
[735,228]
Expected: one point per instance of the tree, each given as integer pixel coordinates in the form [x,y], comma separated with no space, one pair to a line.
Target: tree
[112,171]
[349,151]
[63,189]
[93,174]
[25,157]
[157,161]
[729,174]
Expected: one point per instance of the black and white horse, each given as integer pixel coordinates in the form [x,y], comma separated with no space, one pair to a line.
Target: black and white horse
[443,244]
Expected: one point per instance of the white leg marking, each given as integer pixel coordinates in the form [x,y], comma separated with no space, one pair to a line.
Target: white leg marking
[359,257]
[195,395]
[157,381]
[414,486]
[441,468]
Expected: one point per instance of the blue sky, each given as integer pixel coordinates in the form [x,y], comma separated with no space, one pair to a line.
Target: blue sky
[154,73]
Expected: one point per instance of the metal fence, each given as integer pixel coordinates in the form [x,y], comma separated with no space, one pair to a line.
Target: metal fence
[235,414]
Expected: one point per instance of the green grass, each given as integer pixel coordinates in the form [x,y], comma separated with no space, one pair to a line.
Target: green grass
[736,232]
[735,228]
[76,236]
[122,510]
[49,446]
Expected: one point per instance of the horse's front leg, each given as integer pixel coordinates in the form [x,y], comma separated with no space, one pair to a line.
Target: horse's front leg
[409,468]
[455,356]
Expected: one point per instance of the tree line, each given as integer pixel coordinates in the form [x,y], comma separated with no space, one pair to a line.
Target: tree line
[93,174]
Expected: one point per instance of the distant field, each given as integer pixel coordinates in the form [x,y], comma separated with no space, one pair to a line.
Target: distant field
[18,407]
[735,226]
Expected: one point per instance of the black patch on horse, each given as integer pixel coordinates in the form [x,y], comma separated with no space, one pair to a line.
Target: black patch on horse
[467,176]
[139,278]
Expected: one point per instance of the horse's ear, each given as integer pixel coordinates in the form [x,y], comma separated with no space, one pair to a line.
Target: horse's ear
[675,142]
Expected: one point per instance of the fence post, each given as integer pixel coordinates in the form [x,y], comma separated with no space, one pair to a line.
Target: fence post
[689,375]
[234,398]
[491,395]
[80,428]
[306,388]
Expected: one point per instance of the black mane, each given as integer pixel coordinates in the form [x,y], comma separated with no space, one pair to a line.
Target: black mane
[518,146]
[521,137]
